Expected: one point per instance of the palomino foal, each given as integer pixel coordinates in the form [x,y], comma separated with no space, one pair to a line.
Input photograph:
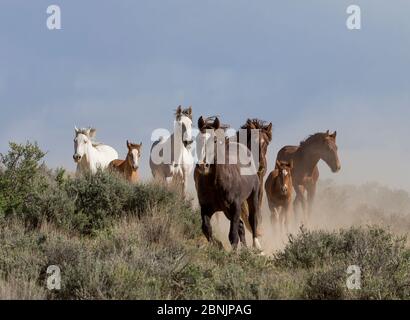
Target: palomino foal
[278,188]
[129,167]
[89,155]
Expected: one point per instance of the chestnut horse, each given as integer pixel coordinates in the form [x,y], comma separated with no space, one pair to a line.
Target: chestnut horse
[128,167]
[223,185]
[321,145]
[279,188]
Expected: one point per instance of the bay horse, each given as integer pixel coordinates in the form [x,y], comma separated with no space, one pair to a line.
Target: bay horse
[305,174]
[90,155]
[171,157]
[264,138]
[221,184]
[279,188]
[128,168]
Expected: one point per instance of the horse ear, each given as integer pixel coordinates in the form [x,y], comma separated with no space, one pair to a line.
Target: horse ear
[327,132]
[141,144]
[190,110]
[92,132]
[128,144]
[334,134]
[76,129]
[277,164]
[179,109]
[269,127]
[201,122]
[217,123]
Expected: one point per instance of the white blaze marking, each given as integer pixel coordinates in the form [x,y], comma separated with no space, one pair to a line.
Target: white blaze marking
[135,154]
[285,172]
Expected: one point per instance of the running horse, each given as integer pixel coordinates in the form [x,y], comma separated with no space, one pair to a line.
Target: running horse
[264,137]
[128,168]
[222,184]
[278,188]
[171,157]
[305,173]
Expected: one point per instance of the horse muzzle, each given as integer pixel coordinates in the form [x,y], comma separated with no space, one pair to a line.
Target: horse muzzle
[76,158]
[337,169]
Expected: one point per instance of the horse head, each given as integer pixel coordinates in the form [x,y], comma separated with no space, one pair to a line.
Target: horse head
[210,143]
[134,154]
[329,151]
[183,125]
[82,141]
[285,176]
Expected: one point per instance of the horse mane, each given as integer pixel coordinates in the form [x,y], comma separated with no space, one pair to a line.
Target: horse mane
[84,131]
[184,112]
[209,121]
[258,124]
[313,138]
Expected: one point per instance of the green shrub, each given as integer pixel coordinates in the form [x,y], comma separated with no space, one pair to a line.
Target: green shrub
[115,240]
[22,172]
[382,257]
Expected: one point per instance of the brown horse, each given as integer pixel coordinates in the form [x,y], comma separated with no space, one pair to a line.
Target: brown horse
[278,188]
[265,137]
[128,167]
[222,185]
[305,157]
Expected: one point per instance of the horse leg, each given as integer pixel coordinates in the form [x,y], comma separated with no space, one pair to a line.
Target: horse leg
[245,216]
[260,194]
[311,192]
[286,216]
[206,214]
[241,232]
[184,183]
[300,198]
[235,215]
[253,218]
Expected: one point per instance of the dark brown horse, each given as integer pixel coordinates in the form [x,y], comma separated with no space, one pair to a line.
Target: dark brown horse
[305,157]
[222,185]
[279,188]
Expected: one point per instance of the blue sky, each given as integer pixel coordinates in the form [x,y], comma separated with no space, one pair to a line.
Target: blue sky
[123,66]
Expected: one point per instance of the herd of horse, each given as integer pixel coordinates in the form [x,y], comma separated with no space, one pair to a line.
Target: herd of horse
[219,177]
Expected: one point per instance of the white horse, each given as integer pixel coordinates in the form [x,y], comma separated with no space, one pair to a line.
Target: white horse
[89,155]
[171,157]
